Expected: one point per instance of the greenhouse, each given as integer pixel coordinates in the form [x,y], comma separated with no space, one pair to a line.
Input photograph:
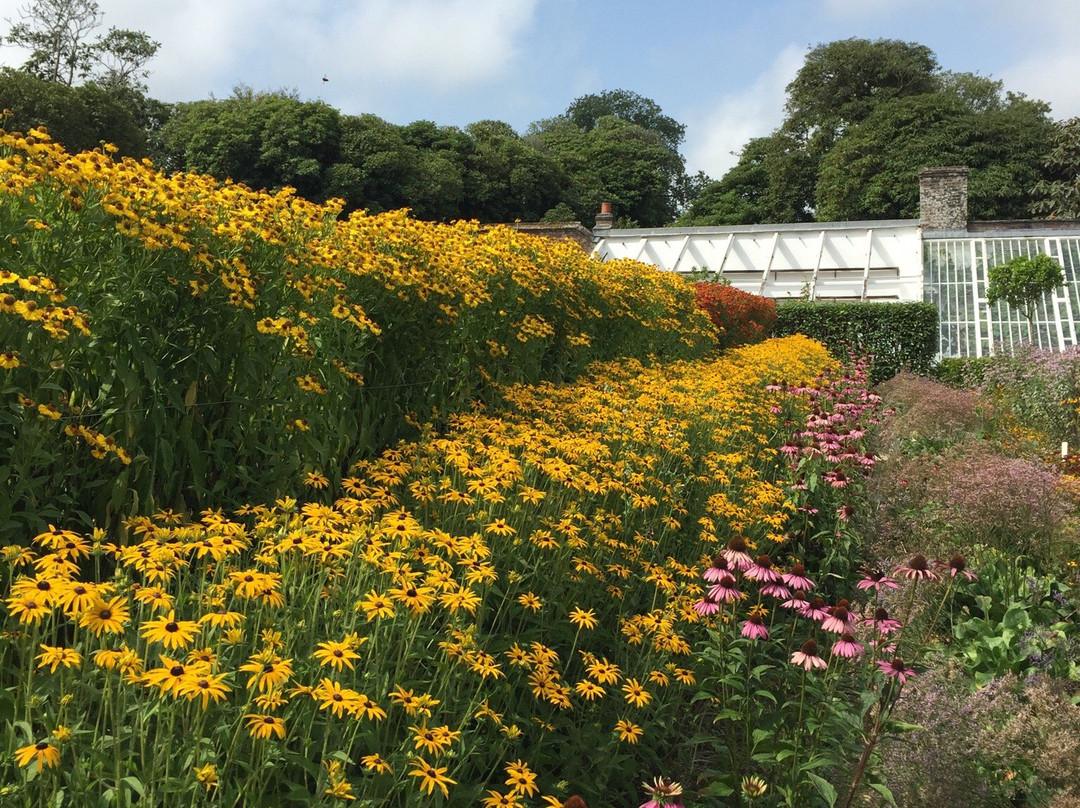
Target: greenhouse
[940,258]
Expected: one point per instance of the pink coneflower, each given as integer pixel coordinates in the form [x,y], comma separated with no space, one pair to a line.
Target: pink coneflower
[796,578]
[662,793]
[799,484]
[808,657]
[875,579]
[706,606]
[847,647]
[885,624]
[736,553]
[816,610]
[724,591]
[776,590]
[718,569]
[754,628]
[895,669]
[797,602]
[957,566]
[792,447]
[840,619]
[845,512]
[918,569]
[837,479]
[762,570]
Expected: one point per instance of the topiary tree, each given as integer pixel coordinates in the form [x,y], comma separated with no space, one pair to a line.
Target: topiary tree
[1022,282]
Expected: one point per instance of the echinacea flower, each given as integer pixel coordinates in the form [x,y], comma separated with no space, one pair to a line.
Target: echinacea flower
[918,569]
[875,579]
[724,591]
[847,647]
[776,590]
[718,569]
[662,793]
[797,601]
[762,570]
[815,610]
[796,578]
[808,657]
[895,669]
[840,618]
[753,786]
[958,566]
[706,606]
[885,624]
[754,628]
[736,553]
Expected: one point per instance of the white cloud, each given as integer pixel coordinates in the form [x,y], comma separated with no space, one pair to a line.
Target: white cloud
[716,136]
[1049,75]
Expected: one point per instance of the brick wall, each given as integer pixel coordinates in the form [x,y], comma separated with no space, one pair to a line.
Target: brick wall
[943,198]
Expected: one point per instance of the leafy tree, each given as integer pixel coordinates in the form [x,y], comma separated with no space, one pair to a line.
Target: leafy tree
[872,172]
[1022,282]
[1058,193]
[79,118]
[265,140]
[862,117]
[585,113]
[57,34]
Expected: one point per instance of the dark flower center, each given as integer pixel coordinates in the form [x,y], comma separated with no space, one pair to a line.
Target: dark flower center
[881,614]
[798,569]
[919,563]
[171,627]
[176,670]
[737,544]
[41,746]
[105,614]
[810,648]
[764,561]
[957,563]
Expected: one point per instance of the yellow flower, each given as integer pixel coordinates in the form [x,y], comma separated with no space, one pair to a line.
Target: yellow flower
[265,726]
[44,753]
[268,670]
[106,617]
[375,763]
[431,777]
[583,619]
[206,775]
[495,799]
[521,779]
[628,731]
[434,739]
[55,656]
[375,605]
[337,654]
[530,601]
[205,686]
[169,631]
[9,360]
[590,690]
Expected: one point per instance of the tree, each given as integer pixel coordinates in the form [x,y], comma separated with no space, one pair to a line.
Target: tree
[1022,282]
[872,172]
[79,118]
[1057,195]
[57,34]
[862,117]
[585,113]
[265,140]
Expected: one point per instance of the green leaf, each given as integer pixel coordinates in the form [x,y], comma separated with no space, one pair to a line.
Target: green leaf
[824,788]
[884,791]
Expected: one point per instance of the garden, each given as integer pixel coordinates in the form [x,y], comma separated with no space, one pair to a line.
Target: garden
[304,509]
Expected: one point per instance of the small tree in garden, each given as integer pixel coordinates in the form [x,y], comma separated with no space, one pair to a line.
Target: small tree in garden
[1022,282]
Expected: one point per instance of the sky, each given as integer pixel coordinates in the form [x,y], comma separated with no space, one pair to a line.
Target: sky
[718,66]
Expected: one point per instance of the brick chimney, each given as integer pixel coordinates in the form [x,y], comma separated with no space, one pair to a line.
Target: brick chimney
[605,218]
[943,198]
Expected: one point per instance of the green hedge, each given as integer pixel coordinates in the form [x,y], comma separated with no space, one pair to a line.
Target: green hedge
[896,335]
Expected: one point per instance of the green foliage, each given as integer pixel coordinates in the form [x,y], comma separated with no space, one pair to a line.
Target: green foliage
[585,113]
[1058,194]
[896,335]
[1022,282]
[80,118]
[872,171]
[862,118]
[966,371]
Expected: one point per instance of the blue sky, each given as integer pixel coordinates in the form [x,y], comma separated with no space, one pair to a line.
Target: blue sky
[719,67]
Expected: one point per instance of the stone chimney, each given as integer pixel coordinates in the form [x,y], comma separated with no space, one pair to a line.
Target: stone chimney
[605,218]
[943,198]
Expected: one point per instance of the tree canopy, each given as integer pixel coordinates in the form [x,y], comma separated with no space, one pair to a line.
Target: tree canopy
[861,118]
[1057,195]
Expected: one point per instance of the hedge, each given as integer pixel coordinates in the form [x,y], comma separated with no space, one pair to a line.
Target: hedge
[895,335]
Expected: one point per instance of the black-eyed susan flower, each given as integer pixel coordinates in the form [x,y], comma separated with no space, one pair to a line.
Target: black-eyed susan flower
[628,731]
[375,605]
[337,654]
[205,686]
[206,775]
[268,670]
[169,631]
[530,601]
[43,753]
[106,617]
[53,657]
[520,778]
[431,777]
[265,726]
[375,763]
[582,618]
[635,694]
[589,690]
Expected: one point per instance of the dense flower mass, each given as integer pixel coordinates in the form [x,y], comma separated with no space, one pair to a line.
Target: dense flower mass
[529,573]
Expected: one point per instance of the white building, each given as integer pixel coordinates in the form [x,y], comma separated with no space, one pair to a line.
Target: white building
[940,258]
